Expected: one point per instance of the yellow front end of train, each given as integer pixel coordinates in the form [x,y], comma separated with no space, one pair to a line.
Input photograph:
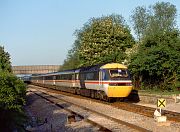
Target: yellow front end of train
[118,77]
[119,91]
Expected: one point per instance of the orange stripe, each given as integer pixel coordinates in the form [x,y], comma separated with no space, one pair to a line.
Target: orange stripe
[87,82]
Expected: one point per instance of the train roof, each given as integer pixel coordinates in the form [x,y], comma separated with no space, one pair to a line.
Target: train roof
[103,66]
[113,65]
[55,73]
[87,69]
[91,68]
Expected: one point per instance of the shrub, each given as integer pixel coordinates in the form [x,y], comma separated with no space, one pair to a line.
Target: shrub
[12,99]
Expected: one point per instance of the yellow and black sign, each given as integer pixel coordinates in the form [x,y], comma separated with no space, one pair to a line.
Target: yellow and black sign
[161,103]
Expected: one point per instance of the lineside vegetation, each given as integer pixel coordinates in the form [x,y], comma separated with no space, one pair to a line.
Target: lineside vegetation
[156,63]
[12,96]
[153,58]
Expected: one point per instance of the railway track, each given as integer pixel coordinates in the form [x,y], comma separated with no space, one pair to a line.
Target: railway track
[72,116]
[143,110]
[146,111]
[103,121]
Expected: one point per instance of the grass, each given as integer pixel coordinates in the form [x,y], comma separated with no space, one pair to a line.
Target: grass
[159,92]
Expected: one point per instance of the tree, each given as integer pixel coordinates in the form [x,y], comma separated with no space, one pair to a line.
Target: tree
[162,18]
[103,40]
[5,64]
[140,21]
[156,63]
[72,60]
[12,96]
[159,17]
[164,15]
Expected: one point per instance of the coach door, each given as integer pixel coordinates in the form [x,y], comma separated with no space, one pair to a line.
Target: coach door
[101,74]
[54,80]
[73,80]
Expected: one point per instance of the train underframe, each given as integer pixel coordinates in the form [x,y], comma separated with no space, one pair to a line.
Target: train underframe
[94,94]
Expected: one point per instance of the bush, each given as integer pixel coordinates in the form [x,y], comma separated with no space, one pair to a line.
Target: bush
[156,63]
[12,99]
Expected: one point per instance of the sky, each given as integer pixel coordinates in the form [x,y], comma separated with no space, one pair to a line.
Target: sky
[40,32]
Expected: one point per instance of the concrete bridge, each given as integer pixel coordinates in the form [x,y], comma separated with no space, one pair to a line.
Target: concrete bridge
[35,69]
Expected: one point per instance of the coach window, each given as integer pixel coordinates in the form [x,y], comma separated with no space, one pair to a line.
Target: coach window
[49,77]
[65,77]
[82,76]
[46,77]
[62,77]
[90,76]
[69,77]
[96,76]
[58,77]
[54,77]
[73,76]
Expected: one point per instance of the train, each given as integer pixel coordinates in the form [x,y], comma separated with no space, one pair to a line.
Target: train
[103,81]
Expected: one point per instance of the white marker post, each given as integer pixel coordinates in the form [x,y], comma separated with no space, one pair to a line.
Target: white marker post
[161,103]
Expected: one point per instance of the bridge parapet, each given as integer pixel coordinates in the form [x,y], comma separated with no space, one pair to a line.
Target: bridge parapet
[35,69]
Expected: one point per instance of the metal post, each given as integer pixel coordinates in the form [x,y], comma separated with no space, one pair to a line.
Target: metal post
[160,111]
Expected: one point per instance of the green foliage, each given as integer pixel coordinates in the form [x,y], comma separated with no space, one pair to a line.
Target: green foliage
[156,62]
[100,40]
[158,17]
[154,59]
[103,40]
[164,15]
[5,64]
[140,21]
[12,98]
[72,60]
[12,92]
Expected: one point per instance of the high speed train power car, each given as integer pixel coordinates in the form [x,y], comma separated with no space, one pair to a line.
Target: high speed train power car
[102,81]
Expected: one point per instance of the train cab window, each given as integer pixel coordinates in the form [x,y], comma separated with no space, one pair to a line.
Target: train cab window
[118,73]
